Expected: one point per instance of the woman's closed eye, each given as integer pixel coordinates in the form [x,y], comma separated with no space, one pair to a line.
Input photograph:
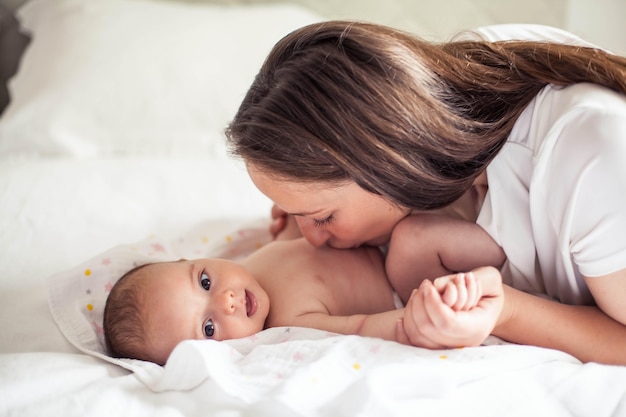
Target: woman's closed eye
[205,281]
[324,222]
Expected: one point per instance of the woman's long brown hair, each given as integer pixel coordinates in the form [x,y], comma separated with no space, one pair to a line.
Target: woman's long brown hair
[413,121]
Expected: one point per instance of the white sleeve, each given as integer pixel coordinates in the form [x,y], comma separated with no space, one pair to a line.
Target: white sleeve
[592,171]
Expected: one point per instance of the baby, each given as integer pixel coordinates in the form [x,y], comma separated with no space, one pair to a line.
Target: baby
[285,283]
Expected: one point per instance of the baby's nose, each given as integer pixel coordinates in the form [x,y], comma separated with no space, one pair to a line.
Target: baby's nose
[228,301]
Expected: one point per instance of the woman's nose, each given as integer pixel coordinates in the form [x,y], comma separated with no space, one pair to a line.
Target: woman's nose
[316,236]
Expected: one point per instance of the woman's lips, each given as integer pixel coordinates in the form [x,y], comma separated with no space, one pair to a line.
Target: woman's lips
[251,304]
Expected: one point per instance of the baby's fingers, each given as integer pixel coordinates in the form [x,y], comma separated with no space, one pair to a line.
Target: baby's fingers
[449,294]
[439,314]
[416,327]
[461,292]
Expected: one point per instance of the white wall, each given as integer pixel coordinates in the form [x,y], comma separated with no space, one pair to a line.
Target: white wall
[441,19]
[602,22]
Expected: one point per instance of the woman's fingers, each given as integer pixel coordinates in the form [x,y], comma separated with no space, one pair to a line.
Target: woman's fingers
[439,315]
[279,220]
[278,212]
[432,322]
[471,286]
[416,323]
[277,225]
[461,289]
[443,314]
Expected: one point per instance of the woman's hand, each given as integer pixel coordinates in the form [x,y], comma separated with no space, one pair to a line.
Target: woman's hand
[283,226]
[453,311]
[279,220]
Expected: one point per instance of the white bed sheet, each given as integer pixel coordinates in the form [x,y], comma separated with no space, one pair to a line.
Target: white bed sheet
[61,207]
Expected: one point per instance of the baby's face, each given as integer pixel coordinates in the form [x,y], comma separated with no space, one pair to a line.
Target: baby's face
[200,299]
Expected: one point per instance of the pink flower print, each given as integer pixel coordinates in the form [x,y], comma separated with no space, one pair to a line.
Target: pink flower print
[375,349]
[97,327]
[158,247]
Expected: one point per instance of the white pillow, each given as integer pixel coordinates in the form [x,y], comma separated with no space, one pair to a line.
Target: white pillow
[136,77]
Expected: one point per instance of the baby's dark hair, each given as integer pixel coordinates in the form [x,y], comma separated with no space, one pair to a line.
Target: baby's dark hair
[123,323]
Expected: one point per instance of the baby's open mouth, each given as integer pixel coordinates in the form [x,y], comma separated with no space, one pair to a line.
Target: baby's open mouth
[251,304]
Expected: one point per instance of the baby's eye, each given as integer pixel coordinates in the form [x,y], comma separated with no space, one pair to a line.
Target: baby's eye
[209,329]
[205,281]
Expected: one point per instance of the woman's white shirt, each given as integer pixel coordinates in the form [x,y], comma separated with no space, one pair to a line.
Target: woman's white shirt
[557,192]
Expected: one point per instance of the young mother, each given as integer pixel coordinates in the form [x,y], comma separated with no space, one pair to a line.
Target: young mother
[350,127]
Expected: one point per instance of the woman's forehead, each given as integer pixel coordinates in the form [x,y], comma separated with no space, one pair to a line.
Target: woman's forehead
[275,182]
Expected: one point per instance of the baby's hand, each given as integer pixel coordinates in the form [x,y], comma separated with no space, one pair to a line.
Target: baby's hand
[460,310]
[460,292]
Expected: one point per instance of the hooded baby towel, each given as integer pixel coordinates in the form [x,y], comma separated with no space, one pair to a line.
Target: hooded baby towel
[77,297]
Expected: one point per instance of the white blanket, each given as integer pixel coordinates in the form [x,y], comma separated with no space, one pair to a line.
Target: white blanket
[311,371]
[279,372]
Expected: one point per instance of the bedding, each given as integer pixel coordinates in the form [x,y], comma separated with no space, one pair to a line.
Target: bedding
[111,153]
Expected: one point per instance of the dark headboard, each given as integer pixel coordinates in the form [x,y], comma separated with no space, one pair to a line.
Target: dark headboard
[13,42]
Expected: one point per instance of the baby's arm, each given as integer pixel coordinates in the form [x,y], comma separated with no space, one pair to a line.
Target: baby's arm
[458,294]
[381,325]
[431,318]
[427,246]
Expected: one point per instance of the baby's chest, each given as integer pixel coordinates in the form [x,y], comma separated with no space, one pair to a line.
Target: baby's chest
[340,291]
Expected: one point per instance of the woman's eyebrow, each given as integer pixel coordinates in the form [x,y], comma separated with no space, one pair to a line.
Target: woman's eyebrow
[306,213]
